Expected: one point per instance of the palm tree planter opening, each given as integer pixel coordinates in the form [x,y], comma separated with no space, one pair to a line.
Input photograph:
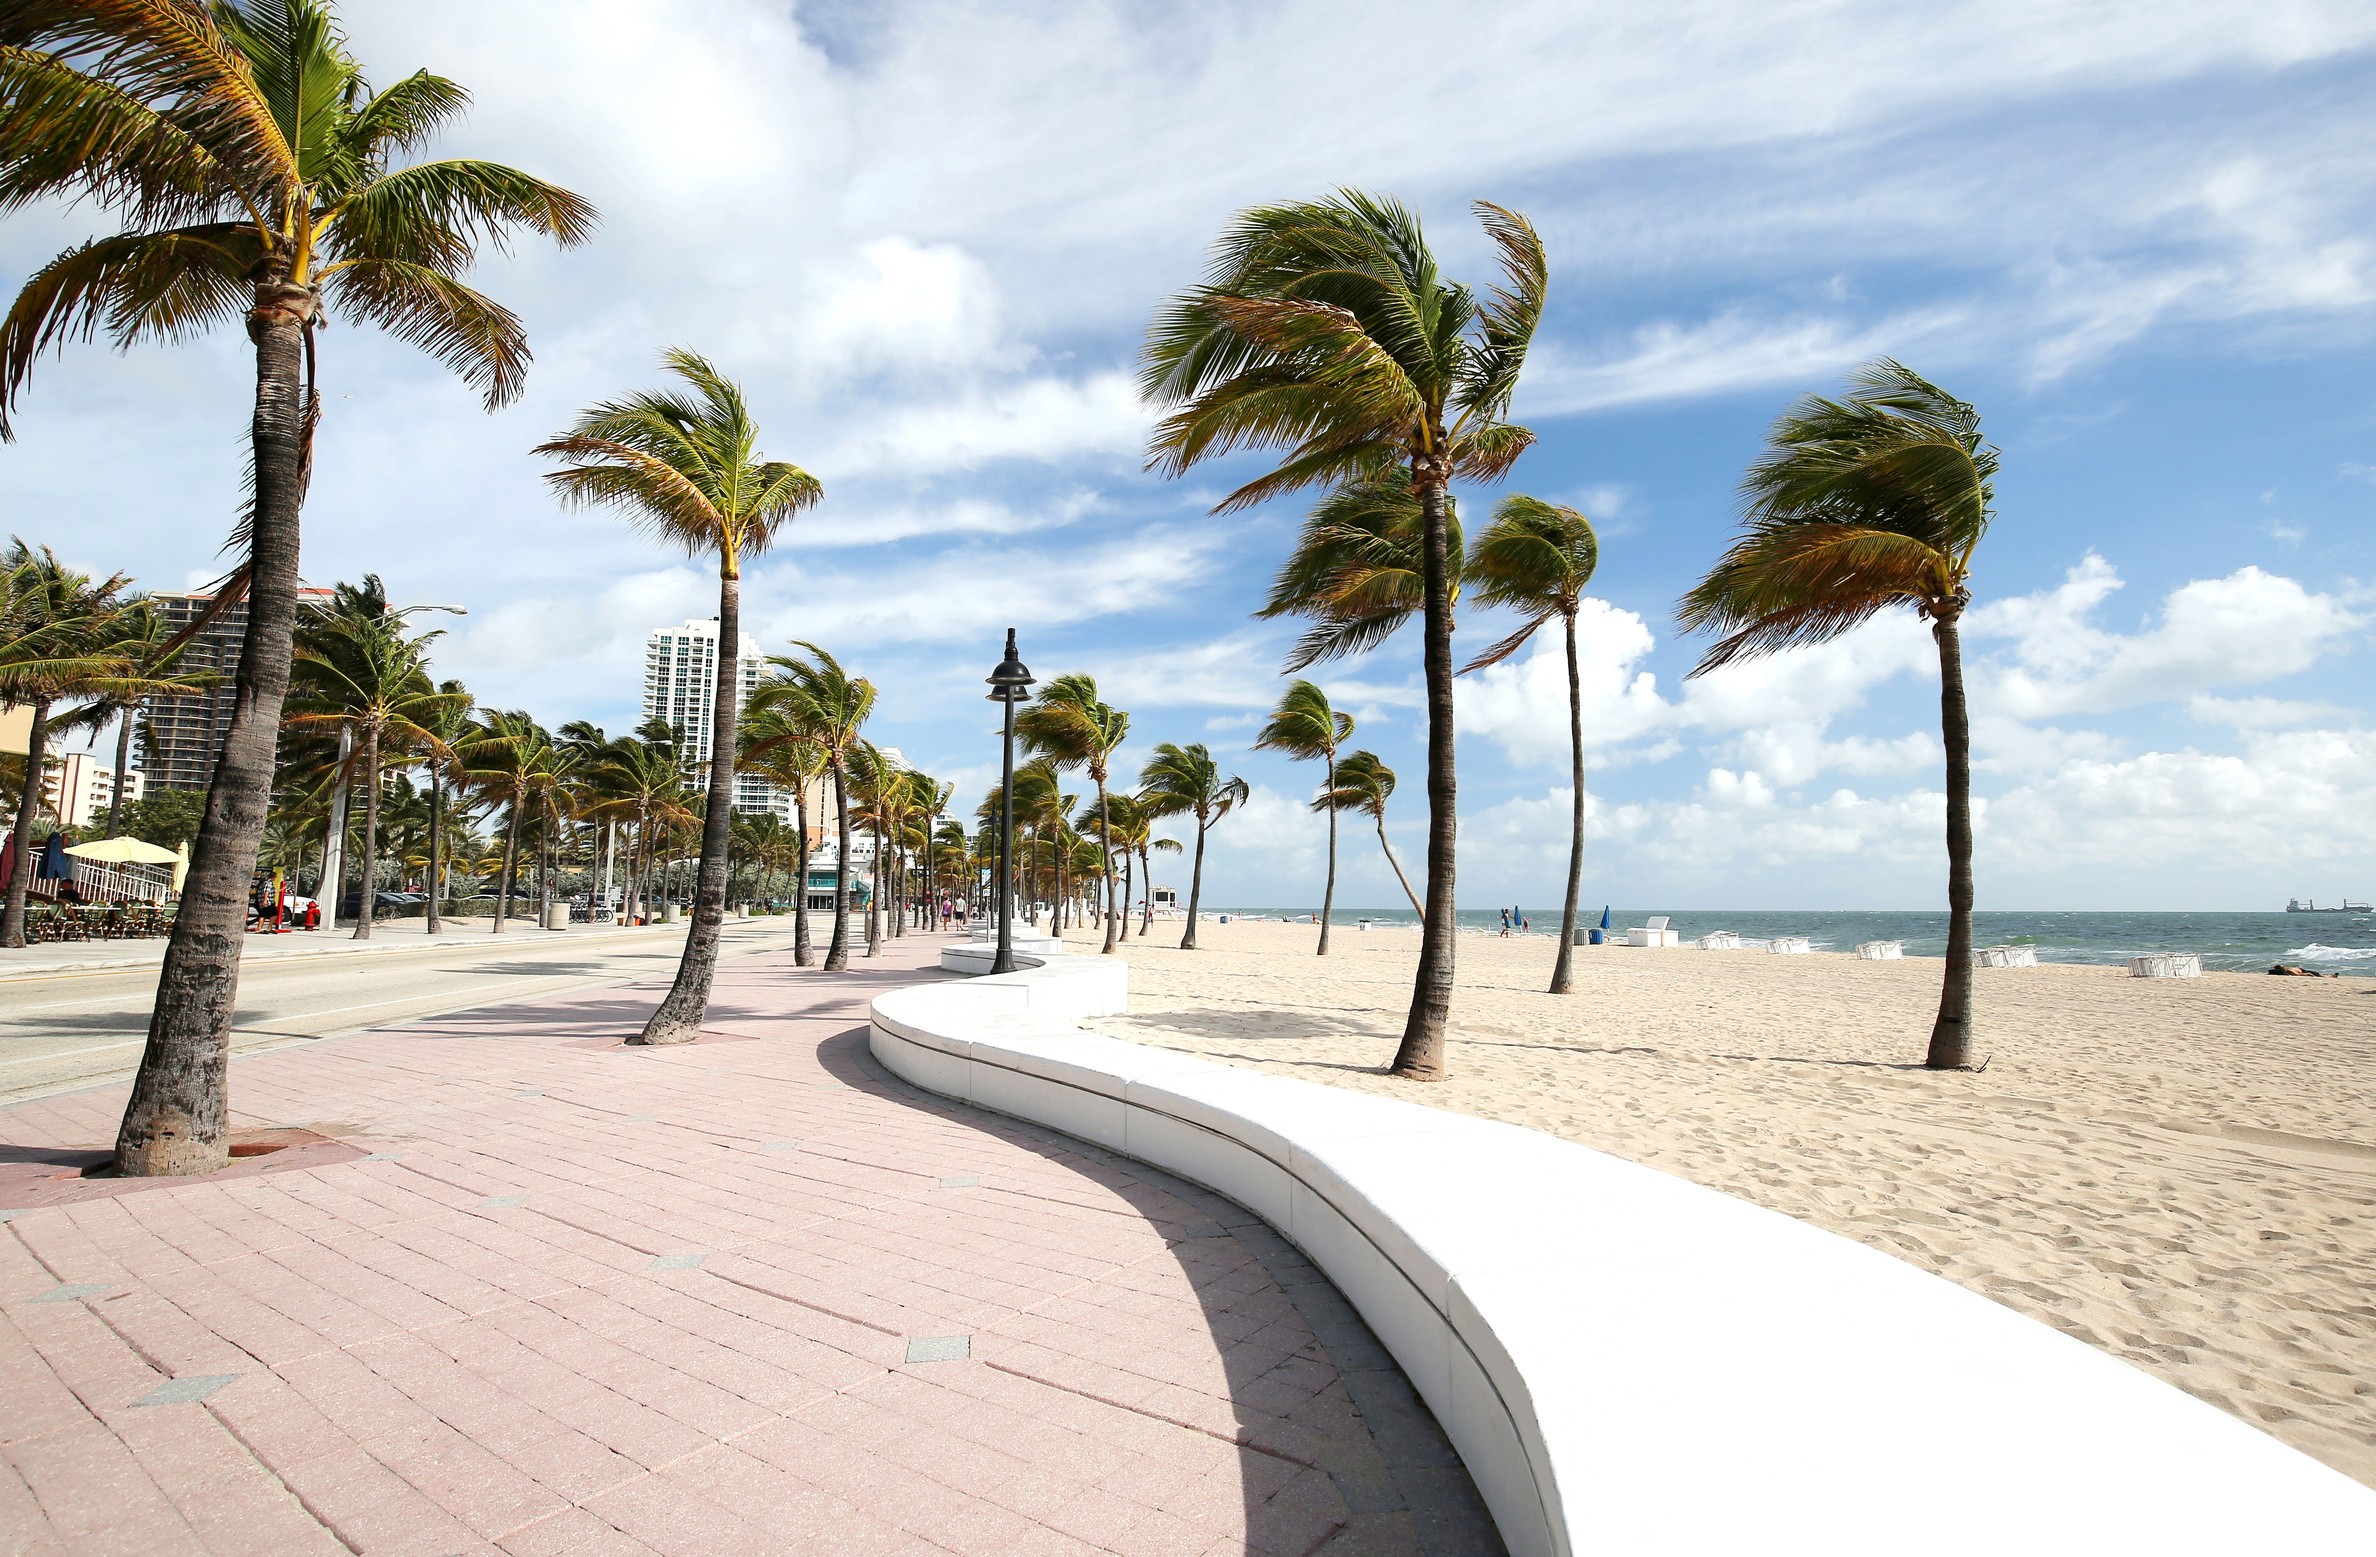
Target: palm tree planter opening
[250,163]
[686,466]
[1536,558]
[1325,329]
[1859,504]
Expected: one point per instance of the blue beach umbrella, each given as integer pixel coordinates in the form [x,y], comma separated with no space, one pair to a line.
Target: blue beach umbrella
[1604,916]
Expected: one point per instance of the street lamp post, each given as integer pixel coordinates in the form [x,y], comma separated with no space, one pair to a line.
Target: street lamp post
[1009,684]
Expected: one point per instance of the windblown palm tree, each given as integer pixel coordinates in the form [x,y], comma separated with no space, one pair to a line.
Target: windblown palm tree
[1363,784]
[505,760]
[1325,329]
[253,170]
[813,690]
[779,747]
[1359,569]
[1536,558]
[450,723]
[1306,728]
[641,784]
[365,674]
[1184,780]
[687,466]
[1069,726]
[1858,505]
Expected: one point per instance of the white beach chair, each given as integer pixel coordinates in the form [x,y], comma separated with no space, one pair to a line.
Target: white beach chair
[1790,946]
[1655,933]
[1881,951]
[2005,957]
[2166,965]
[1720,940]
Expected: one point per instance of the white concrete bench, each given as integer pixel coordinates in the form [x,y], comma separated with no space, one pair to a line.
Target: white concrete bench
[1629,1363]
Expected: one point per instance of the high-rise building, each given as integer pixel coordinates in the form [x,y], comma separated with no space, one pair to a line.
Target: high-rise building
[680,689]
[185,734]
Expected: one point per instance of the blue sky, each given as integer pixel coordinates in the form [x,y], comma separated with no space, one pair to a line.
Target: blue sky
[927,237]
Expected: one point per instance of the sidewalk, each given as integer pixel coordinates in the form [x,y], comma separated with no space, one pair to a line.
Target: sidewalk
[513,1287]
[387,936]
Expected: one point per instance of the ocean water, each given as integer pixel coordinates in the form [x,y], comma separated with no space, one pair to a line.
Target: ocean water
[2330,943]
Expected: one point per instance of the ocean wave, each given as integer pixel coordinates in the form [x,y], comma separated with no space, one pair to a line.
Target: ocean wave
[2320,953]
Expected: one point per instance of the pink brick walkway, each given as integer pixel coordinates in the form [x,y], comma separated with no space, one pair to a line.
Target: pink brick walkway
[750,1295]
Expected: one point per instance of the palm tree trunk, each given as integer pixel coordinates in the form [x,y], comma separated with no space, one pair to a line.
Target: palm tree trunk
[511,855]
[804,953]
[1421,1057]
[1195,888]
[1562,970]
[1328,893]
[371,796]
[177,1118]
[837,950]
[1147,911]
[115,809]
[679,1018]
[436,849]
[1951,1034]
[1129,884]
[1105,852]
[1398,870]
[12,918]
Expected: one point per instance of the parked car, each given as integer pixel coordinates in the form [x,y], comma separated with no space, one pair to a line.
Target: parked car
[381,903]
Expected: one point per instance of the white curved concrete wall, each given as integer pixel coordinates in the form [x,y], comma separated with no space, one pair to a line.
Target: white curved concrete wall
[1627,1362]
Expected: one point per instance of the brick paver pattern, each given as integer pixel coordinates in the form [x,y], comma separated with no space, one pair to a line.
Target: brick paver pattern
[750,1295]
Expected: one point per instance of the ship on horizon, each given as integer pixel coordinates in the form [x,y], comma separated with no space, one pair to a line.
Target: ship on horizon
[2303,905]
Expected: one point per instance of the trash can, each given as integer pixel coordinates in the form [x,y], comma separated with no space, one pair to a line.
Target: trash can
[1599,938]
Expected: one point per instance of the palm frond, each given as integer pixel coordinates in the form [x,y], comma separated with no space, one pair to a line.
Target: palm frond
[464,330]
[439,213]
[1489,376]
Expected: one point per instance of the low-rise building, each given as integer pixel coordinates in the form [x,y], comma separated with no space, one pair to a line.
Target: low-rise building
[79,787]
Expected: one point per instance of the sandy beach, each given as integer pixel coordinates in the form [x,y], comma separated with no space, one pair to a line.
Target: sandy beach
[2180,1172]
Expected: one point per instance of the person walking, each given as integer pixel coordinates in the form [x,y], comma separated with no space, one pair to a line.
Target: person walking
[1505,929]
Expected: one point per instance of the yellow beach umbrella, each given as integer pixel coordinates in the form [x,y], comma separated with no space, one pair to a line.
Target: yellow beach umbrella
[181,864]
[123,851]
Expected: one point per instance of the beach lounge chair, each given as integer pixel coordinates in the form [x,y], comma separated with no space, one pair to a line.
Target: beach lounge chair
[1790,946]
[1881,951]
[1720,940]
[1655,933]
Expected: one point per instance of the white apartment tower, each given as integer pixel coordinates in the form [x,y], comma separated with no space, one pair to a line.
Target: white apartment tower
[679,688]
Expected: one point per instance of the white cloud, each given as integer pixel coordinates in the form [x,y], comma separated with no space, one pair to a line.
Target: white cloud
[1044,419]
[1664,360]
[907,303]
[2249,627]
[2262,713]
[841,526]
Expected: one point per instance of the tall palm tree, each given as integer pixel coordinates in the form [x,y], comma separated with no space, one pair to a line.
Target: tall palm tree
[1325,329]
[365,674]
[450,723]
[1069,726]
[1181,780]
[148,641]
[1305,727]
[1536,558]
[642,784]
[833,706]
[1860,504]
[686,466]
[253,170]
[778,746]
[1364,784]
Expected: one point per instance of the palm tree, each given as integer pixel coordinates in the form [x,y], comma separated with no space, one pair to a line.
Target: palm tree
[505,760]
[832,705]
[1536,558]
[776,745]
[1363,784]
[641,783]
[65,637]
[1359,568]
[1069,726]
[1325,329]
[1185,779]
[1858,505]
[149,641]
[363,673]
[250,164]
[1305,727]
[687,467]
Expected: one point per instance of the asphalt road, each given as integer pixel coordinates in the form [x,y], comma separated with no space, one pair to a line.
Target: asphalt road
[69,1028]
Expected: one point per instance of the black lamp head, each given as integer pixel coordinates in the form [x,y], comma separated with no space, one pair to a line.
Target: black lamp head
[1011,682]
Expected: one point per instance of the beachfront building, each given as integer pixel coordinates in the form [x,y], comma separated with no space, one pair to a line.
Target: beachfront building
[183,736]
[79,787]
